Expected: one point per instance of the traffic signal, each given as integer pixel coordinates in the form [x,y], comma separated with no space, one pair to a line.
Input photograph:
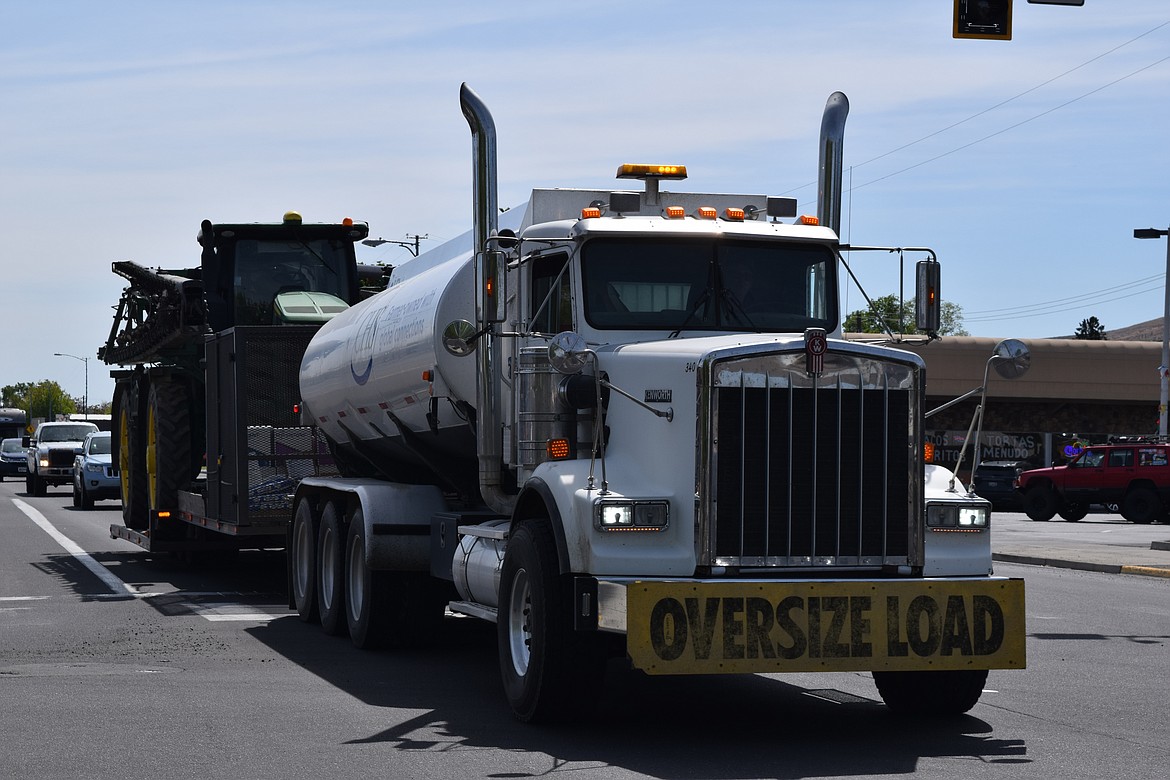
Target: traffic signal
[988,19]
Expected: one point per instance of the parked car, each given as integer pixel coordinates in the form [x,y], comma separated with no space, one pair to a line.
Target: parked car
[995,480]
[1134,475]
[13,461]
[94,475]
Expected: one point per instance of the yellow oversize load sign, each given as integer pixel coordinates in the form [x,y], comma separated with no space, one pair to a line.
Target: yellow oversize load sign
[746,627]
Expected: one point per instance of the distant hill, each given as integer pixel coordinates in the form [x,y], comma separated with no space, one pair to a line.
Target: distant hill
[1150,330]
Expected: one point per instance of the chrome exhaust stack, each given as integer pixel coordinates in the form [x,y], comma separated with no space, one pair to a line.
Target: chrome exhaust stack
[832,161]
[488,268]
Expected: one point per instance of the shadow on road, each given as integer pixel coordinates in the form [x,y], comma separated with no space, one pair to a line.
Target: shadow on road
[448,697]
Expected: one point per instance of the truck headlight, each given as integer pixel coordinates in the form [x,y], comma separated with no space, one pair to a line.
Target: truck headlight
[97,468]
[610,515]
[44,462]
[956,517]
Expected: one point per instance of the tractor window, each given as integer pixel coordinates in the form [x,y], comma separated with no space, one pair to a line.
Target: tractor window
[263,269]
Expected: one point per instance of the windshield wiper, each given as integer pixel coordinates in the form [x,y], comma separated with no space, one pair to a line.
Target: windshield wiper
[699,302]
[733,307]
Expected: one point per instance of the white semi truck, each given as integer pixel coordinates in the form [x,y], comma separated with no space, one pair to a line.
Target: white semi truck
[628,422]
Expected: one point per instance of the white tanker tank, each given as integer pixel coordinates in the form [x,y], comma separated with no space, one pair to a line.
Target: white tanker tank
[378,382]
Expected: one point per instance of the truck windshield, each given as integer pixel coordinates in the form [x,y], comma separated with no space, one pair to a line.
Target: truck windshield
[265,268]
[66,432]
[634,284]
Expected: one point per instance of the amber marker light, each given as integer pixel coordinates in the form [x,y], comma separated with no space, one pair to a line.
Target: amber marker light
[805,219]
[928,452]
[675,212]
[590,212]
[733,214]
[706,212]
[558,449]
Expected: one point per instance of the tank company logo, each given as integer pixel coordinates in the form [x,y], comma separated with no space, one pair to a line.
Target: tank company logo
[361,353]
[731,628]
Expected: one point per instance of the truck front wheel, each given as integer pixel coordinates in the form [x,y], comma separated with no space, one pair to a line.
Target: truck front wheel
[549,671]
[931,693]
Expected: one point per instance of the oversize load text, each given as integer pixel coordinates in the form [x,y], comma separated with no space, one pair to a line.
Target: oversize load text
[704,632]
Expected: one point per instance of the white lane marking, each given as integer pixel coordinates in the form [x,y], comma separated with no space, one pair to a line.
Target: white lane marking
[101,572]
[212,612]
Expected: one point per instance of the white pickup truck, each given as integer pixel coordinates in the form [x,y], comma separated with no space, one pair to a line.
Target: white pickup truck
[51,450]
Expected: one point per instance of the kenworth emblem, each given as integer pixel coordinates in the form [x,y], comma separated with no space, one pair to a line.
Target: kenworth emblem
[816,344]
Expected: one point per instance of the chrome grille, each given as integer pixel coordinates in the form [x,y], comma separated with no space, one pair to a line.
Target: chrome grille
[812,471]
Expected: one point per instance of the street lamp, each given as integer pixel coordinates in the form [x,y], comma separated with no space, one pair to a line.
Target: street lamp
[1164,369]
[412,247]
[84,360]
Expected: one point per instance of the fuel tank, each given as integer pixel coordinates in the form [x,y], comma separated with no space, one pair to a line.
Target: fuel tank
[377,380]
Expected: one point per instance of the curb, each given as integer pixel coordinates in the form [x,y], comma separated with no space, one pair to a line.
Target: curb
[1059,563]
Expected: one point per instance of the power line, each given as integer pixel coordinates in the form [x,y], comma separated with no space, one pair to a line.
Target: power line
[1083,298]
[1057,309]
[999,105]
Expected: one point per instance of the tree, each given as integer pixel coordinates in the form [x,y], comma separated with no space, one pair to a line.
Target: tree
[900,318]
[46,399]
[1091,330]
[13,396]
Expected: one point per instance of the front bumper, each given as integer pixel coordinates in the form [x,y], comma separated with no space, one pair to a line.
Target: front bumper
[753,626]
[13,468]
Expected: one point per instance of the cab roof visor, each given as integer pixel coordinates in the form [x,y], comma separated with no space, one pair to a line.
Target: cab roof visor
[781,207]
[625,202]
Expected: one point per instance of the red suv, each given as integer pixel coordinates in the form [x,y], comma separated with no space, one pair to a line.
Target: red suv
[1133,475]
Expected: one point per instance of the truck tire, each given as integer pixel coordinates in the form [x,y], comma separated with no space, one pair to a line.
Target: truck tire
[1142,506]
[388,608]
[331,571]
[168,442]
[76,494]
[550,672]
[1040,503]
[302,557]
[931,693]
[131,457]
[1074,512]
[366,592]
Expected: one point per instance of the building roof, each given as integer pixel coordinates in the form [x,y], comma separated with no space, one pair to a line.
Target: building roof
[1072,369]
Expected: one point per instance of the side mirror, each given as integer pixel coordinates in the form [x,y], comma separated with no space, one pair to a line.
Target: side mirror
[927,300]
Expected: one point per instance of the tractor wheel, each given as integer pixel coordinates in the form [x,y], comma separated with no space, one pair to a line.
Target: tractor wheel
[131,455]
[168,442]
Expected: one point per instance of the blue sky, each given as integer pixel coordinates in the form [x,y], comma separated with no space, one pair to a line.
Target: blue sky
[1025,164]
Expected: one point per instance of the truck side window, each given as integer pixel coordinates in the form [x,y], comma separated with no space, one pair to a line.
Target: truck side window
[1120,458]
[551,302]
